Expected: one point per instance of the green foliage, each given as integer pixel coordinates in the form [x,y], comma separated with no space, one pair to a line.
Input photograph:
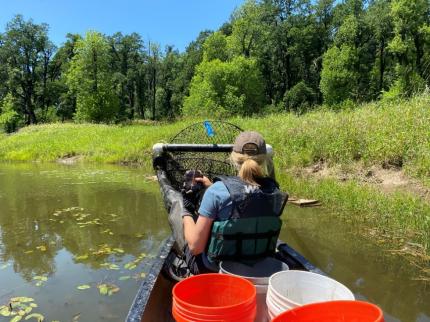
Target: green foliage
[408,84]
[248,29]
[299,98]
[215,47]
[410,20]
[338,76]
[301,53]
[9,119]
[225,88]
[90,77]
[25,52]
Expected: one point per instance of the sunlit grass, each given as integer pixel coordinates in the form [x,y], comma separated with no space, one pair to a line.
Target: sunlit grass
[390,133]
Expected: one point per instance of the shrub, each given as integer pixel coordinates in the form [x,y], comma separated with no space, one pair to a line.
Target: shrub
[299,98]
[9,118]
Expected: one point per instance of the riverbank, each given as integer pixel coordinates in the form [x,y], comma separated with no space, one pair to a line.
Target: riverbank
[333,156]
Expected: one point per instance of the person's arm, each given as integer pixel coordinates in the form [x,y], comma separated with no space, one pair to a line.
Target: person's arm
[197,233]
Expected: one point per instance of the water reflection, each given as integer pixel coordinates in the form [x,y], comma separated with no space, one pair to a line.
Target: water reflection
[76,225]
[99,225]
[366,268]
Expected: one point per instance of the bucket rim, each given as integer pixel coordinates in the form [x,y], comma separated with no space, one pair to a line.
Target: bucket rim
[379,318]
[296,271]
[251,278]
[216,308]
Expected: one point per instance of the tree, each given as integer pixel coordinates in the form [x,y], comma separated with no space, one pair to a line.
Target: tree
[248,30]
[26,51]
[152,69]
[338,76]
[192,57]
[410,20]
[215,47]
[90,77]
[169,98]
[65,100]
[226,88]
[127,58]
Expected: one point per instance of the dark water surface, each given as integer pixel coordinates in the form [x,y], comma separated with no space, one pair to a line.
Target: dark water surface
[98,226]
[66,226]
[370,271]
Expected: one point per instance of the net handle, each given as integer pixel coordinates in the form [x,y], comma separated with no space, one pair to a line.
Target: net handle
[159,148]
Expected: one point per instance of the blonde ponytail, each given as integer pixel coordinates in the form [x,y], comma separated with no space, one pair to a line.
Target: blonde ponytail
[250,167]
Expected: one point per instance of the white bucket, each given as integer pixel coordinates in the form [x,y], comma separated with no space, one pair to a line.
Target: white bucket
[259,274]
[273,308]
[293,288]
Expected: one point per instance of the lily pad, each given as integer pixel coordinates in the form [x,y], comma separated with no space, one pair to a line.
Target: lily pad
[103,289]
[108,289]
[22,299]
[81,257]
[4,310]
[83,287]
[39,317]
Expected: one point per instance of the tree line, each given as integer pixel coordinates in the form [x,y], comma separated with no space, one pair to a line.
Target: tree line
[270,56]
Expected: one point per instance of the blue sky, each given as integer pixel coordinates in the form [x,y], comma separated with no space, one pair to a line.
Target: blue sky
[168,22]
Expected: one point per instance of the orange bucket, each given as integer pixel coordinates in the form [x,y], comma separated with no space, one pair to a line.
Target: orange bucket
[214,297]
[333,311]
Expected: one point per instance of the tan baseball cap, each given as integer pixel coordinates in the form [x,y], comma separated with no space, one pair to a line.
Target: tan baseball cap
[250,142]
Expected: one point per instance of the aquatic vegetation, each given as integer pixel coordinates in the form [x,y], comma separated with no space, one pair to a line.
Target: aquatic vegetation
[108,289]
[40,280]
[20,308]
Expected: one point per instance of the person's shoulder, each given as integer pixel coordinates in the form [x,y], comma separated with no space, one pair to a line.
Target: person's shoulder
[217,187]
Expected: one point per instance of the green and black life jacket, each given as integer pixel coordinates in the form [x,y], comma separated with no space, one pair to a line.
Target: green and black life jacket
[252,230]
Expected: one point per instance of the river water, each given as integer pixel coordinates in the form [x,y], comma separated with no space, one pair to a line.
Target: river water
[77,240]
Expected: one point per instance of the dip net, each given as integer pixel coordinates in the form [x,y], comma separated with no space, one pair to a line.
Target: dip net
[211,163]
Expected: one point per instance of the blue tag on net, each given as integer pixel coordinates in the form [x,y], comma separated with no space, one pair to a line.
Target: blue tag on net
[209,130]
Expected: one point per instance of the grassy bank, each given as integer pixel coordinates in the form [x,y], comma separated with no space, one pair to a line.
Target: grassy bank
[390,134]
[401,221]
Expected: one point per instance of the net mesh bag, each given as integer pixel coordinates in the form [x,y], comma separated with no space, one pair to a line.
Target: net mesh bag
[211,164]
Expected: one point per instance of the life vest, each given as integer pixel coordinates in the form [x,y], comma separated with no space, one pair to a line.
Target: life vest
[252,230]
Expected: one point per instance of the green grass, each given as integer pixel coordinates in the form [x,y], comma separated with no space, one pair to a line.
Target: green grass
[390,133]
[93,142]
[400,220]
[395,133]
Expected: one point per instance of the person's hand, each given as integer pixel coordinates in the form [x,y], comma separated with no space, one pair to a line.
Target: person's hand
[189,208]
[204,180]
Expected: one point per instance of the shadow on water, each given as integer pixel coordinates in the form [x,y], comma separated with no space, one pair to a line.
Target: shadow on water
[368,269]
[65,226]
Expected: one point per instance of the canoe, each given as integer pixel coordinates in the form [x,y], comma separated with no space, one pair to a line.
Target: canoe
[153,300]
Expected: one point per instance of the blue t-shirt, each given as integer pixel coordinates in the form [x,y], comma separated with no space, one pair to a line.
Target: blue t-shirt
[216,202]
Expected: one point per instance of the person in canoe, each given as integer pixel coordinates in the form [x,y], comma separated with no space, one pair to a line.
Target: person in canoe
[238,218]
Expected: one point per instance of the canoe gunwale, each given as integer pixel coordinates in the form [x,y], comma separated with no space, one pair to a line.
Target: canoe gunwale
[144,293]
